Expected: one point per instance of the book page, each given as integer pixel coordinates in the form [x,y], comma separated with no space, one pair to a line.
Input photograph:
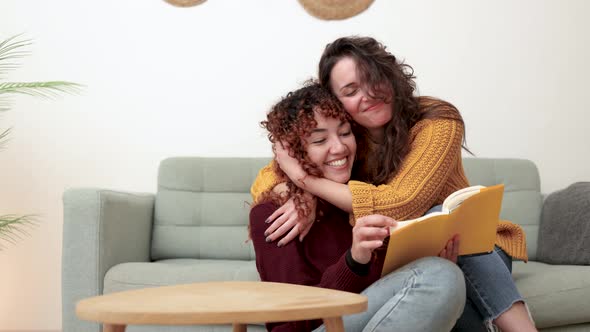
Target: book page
[404,223]
[455,199]
[451,202]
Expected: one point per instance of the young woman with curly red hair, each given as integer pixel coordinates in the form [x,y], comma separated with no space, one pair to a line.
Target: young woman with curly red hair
[409,161]
[426,295]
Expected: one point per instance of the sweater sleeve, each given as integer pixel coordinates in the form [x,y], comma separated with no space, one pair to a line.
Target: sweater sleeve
[265,181]
[434,151]
[287,264]
[512,239]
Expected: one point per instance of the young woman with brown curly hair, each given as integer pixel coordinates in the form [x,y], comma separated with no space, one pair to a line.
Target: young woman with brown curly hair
[409,161]
[426,295]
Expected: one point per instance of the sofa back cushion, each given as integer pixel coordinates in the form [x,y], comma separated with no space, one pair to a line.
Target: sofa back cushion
[522,202]
[202,207]
[202,204]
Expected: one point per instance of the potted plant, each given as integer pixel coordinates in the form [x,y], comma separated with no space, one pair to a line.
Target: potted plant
[12,226]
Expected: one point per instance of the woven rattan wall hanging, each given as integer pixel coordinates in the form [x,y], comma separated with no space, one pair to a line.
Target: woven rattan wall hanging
[335,9]
[185,3]
[322,9]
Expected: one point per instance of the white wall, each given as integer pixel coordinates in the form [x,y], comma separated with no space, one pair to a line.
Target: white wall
[165,81]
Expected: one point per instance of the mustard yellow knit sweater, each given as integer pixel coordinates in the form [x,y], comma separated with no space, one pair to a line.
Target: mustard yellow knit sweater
[430,172]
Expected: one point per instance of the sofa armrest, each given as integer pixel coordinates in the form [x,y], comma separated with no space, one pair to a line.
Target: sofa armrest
[101,228]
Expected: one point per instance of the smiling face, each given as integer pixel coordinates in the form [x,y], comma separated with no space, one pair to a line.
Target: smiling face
[368,112]
[331,146]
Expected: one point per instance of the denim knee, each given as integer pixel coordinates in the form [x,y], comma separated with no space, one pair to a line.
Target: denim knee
[448,282]
[429,296]
[451,277]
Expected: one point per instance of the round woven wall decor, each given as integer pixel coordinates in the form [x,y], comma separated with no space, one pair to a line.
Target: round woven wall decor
[335,9]
[185,3]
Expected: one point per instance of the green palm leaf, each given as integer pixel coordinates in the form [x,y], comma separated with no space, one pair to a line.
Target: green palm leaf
[11,49]
[4,103]
[3,136]
[39,89]
[14,227]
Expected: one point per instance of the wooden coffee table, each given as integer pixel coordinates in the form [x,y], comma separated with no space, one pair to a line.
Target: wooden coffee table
[231,302]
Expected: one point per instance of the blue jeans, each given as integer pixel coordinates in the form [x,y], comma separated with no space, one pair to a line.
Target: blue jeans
[425,295]
[490,288]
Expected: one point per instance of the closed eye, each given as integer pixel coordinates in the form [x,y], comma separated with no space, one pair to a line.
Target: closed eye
[318,141]
[350,93]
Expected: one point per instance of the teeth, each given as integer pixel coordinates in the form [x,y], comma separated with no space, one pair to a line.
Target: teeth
[338,162]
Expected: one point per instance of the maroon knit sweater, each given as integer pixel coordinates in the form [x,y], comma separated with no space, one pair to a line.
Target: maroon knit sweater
[320,260]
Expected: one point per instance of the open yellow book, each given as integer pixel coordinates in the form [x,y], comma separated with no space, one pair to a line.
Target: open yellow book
[471,212]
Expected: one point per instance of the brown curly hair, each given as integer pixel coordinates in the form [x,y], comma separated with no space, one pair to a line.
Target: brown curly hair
[290,122]
[387,79]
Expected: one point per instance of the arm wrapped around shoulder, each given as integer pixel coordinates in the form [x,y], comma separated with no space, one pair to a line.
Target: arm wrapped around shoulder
[265,181]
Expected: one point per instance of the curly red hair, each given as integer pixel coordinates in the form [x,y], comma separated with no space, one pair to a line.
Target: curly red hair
[291,121]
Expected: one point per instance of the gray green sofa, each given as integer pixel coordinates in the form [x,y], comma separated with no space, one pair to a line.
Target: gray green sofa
[194,229]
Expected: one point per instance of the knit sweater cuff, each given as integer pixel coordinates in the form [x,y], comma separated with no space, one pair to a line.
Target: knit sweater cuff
[512,239]
[362,199]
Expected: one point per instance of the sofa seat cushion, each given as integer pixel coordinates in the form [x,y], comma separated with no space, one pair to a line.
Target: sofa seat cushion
[127,276]
[556,294]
